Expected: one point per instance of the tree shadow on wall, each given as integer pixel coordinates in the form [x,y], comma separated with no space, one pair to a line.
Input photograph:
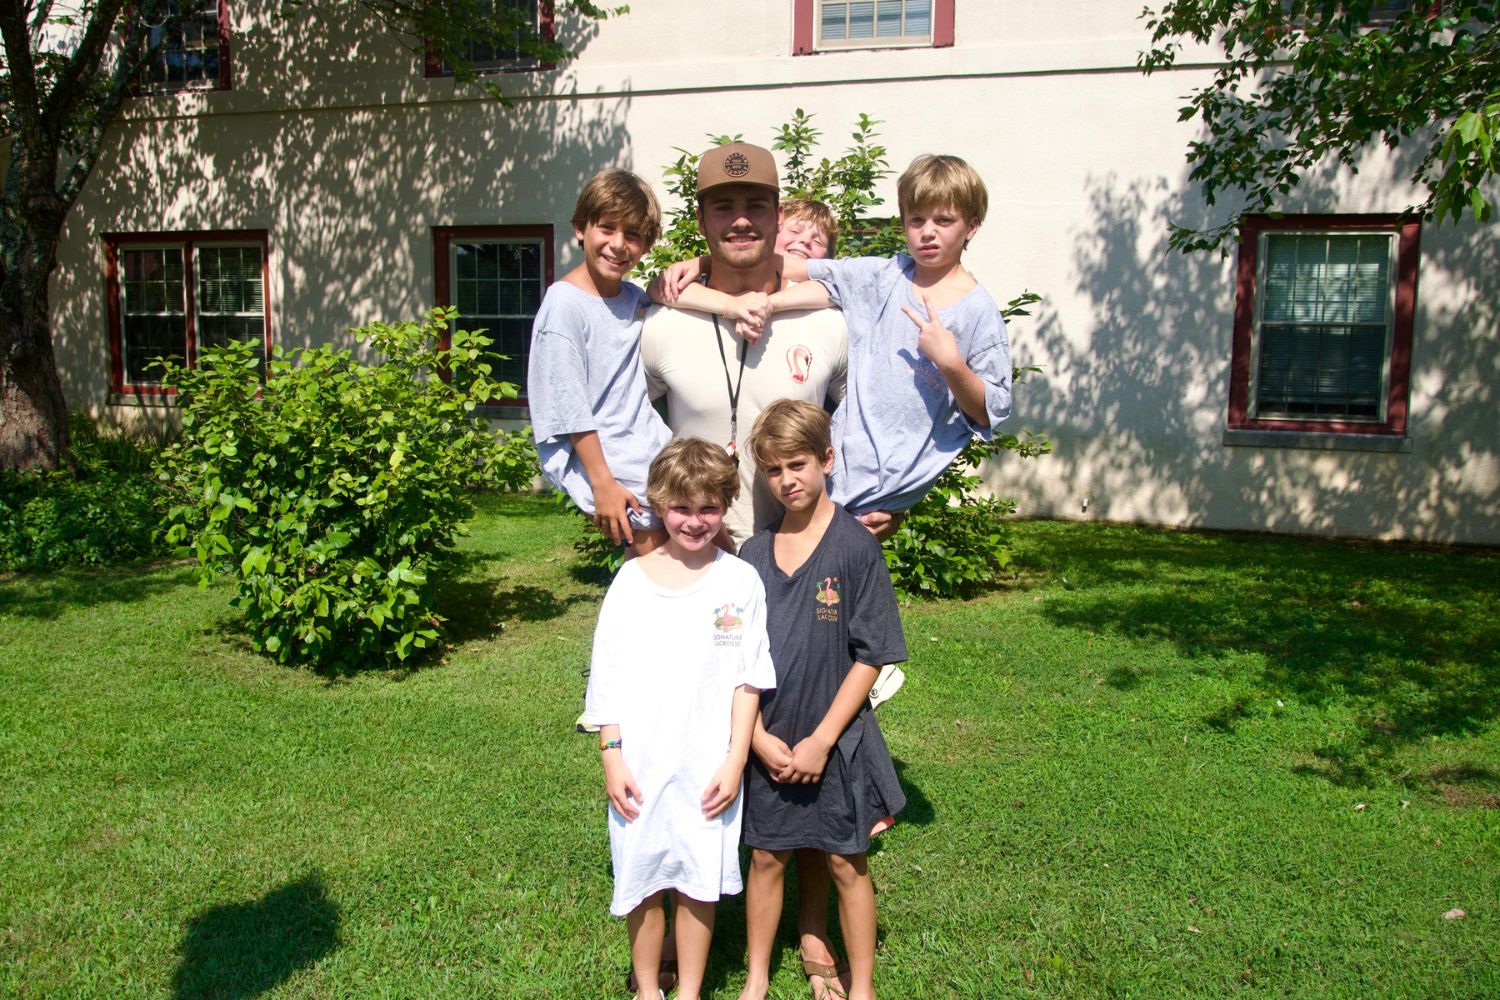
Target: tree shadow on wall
[349,183]
[240,950]
[1137,404]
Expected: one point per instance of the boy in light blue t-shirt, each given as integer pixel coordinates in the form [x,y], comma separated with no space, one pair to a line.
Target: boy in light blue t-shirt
[929,362]
[596,431]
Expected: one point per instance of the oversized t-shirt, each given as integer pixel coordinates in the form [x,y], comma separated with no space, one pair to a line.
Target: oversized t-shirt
[801,355]
[664,669]
[837,608]
[899,426]
[585,375]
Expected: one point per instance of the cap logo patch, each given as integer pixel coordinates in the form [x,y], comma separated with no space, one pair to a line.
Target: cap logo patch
[736,164]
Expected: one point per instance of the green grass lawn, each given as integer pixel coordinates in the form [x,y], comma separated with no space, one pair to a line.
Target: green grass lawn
[1155,765]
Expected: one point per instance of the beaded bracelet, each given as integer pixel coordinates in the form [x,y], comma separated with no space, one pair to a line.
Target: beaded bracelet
[609,745]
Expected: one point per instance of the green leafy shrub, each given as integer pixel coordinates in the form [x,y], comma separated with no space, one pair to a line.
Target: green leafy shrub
[101,511]
[333,492]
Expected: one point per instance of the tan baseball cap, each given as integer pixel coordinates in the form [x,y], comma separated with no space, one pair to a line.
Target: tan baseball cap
[737,163]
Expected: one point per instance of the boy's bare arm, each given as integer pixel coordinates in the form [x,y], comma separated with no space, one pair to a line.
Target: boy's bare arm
[772,750]
[810,755]
[724,788]
[937,342]
[619,783]
[803,295]
[612,502]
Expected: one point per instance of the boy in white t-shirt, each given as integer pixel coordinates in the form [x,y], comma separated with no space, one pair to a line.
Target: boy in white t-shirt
[680,658]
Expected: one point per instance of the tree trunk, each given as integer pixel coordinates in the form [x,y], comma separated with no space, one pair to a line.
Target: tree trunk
[33,410]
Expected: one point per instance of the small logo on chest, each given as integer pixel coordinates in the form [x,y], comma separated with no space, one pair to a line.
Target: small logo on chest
[827,596]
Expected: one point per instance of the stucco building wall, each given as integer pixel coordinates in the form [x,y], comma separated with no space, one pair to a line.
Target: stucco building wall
[341,149]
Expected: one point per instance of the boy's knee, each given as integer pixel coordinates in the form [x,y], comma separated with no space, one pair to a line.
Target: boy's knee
[769,862]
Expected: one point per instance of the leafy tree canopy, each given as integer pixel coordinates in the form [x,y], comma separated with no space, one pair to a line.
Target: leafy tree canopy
[1303,79]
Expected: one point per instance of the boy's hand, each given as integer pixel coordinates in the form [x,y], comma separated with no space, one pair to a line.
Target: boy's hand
[620,786]
[933,338]
[773,752]
[670,283]
[612,506]
[809,757]
[882,523]
[751,311]
[723,789]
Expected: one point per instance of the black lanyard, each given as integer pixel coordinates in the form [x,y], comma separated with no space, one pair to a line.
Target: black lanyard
[734,391]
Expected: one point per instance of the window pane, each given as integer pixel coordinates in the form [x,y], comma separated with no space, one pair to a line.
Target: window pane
[231,297]
[1324,324]
[498,286]
[835,21]
[186,47]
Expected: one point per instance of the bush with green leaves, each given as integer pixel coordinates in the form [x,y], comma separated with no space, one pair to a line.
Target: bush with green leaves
[954,541]
[102,508]
[332,491]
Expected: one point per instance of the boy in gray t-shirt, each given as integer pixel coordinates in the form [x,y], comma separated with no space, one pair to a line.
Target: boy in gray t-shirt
[596,432]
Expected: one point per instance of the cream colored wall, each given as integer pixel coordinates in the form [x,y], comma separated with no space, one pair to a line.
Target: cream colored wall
[350,165]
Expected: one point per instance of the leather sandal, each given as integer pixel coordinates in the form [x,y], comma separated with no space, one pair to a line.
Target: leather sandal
[832,976]
[666,977]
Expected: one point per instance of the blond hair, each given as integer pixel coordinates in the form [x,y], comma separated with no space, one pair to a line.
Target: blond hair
[815,212]
[790,427]
[935,181]
[690,469]
[621,197]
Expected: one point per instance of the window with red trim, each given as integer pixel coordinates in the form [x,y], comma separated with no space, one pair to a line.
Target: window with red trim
[487,57]
[172,294]
[190,49]
[1324,309]
[826,25]
[495,276]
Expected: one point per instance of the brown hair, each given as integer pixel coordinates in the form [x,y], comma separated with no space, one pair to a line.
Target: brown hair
[621,197]
[692,469]
[815,212]
[790,427]
[940,181]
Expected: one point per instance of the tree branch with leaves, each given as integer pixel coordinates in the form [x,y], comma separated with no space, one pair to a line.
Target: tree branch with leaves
[1303,80]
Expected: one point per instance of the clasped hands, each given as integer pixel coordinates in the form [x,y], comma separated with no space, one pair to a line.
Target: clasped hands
[799,765]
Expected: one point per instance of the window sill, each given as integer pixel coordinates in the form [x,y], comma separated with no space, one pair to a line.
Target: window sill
[1320,440]
[144,400]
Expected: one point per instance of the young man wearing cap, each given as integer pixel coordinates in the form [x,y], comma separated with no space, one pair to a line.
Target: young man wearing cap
[715,383]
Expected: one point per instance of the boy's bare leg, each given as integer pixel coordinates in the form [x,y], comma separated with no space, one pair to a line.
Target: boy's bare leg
[646,539]
[851,873]
[695,932]
[813,887]
[647,926]
[762,914]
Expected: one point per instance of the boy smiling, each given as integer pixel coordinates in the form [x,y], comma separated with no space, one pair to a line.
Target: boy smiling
[596,432]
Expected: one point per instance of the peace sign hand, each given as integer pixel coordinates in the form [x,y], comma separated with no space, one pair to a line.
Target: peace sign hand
[933,338]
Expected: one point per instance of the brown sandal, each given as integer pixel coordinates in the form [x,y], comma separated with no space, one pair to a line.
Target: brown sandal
[832,975]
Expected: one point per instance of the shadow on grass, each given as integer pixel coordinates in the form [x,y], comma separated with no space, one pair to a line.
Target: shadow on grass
[50,594]
[1407,638]
[241,950]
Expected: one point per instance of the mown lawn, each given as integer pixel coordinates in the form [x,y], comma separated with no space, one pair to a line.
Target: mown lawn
[1155,765]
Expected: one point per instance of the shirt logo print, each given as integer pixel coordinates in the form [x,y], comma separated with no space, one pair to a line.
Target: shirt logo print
[727,618]
[827,595]
[799,360]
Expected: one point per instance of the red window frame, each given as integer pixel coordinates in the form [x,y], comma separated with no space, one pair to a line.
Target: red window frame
[225,80]
[433,66]
[1241,375]
[804,35]
[187,240]
[443,238]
